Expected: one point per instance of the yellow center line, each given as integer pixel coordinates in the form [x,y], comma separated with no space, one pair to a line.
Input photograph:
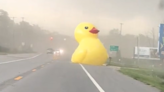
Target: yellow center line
[34,70]
[18,78]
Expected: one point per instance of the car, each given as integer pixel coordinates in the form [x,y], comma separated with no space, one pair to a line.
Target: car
[50,51]
[58,52]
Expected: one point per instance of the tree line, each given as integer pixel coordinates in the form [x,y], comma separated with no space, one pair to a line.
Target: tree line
[128,42]
[25,37]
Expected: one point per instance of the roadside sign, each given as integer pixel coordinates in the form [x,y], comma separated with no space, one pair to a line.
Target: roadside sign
[114,48]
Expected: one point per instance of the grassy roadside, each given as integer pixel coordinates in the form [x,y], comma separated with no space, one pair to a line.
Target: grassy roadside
[3,53]
[145,76]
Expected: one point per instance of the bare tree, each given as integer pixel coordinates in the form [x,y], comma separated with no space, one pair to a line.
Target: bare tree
[152,37]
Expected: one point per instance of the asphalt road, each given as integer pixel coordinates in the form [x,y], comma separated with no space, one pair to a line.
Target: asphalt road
[4,58]
[43,74]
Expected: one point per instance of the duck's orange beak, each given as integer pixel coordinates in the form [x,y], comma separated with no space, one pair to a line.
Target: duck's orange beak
[94,31]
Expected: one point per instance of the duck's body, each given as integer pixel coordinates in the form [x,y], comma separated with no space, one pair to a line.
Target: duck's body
[90,50]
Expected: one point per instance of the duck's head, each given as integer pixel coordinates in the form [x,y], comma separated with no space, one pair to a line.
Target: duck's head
[84,30]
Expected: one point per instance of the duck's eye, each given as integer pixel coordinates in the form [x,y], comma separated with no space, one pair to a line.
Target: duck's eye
[86,27]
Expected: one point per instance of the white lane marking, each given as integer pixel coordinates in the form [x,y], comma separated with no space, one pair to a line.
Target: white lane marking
[19,60]
[92,79]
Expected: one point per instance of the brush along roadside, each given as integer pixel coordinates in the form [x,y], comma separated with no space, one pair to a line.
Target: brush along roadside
[154,78]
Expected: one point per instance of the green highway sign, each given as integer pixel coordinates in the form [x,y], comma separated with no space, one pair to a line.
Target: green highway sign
[114,48]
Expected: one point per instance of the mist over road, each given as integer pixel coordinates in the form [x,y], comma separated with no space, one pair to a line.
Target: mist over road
[41,73]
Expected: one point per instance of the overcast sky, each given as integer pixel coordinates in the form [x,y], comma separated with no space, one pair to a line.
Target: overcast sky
[137,16]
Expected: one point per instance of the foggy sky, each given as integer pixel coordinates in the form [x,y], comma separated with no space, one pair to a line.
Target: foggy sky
[137,16]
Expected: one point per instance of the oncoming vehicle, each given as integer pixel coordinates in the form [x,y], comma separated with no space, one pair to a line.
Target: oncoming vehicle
[50,51]
[58,54]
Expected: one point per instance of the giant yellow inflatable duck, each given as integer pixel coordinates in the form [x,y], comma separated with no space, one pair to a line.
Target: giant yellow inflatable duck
[90,50]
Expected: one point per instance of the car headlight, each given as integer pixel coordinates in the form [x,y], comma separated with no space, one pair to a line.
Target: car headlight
[61,51]
[54,52]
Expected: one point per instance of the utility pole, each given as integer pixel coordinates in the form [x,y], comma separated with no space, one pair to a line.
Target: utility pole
[22,33]
[13,36]
[120,47]
[22,18]
[121,28]
[153,34]
[137,50]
